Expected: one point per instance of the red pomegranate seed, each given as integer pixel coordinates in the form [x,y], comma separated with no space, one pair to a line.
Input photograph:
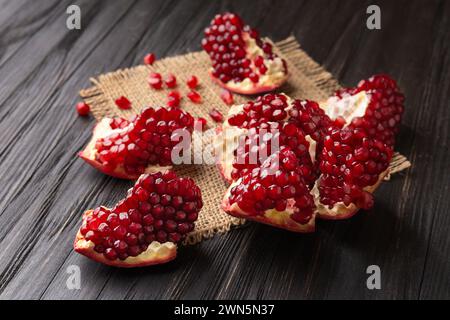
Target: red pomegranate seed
[216,115]
[149,59]
[192,82]
[173,99]
[203,123]
[194,96]
[171,81]
[83,109]
[123,103]
[155,81]
[227,96]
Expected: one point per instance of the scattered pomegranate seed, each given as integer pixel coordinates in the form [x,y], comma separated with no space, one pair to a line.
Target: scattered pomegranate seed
[149,59]
[203,123]
[171,81]
[155,81]
[194,96]
[174,98]
[227,96]
[83,109]
[192,82]
[216,115]
[123,103]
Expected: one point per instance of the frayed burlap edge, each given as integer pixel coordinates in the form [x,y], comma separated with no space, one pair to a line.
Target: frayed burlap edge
[307,80]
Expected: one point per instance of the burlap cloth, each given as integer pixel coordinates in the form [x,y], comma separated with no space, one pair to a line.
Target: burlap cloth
[307,80]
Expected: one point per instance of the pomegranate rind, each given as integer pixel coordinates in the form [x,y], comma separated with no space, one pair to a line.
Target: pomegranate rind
[103,129]
[340,211]
[278,219]
[156,253]
[254,89]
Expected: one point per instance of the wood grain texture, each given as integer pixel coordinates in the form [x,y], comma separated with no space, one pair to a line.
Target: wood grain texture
[45,187]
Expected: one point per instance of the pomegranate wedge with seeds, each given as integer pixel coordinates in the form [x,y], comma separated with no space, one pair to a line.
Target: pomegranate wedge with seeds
[144,228]
[375,106]
[127,149]
[241,61]
[273,194]
[352,166]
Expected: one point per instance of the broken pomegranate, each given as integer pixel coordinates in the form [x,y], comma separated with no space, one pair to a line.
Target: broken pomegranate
[274,194]
[83,109]
[241,61]
[144,228]
[375,106]
[139,146]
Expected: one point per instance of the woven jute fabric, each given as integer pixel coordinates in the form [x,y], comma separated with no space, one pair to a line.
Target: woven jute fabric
[308,80]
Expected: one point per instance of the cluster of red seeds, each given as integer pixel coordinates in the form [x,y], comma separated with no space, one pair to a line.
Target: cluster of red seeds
[146,140]
[272,185]
[350,162]
[160,207]
[384,112]
[258,146]
[225,42]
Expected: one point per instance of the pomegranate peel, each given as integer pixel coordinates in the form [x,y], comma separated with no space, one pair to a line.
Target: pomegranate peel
[156,253]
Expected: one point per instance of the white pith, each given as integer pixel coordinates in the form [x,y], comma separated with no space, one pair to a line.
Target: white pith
[347,107]
[274,76]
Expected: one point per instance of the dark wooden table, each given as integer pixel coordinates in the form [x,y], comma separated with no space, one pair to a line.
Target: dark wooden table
[45,187]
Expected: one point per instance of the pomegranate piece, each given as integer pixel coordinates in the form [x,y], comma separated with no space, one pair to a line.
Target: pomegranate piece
[171,81]
[123,103]
[155,80]
[375,106]
[144,228]
[192,82]
[274,194]
[83,109]
[216,115]
[149,58]
[202,124]
[142,145]
[227,97]
[194,96]
[241,61]
[352,165]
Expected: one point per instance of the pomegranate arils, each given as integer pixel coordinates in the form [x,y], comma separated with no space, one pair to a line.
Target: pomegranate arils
[144,141]
[149,59]
[194,96]
[226,41]
[216,115]
[155,80]
[267,188]
[83,109]
[203,123]
[174,98]
[226,96]
[116,237]
[350,162]
[123,103]
[192,82]
[171,81]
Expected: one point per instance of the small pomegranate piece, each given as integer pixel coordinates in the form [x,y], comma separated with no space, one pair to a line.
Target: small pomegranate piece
[155,80]
[202,123]
[194,96]
[241,61]
[227,97]
[123,103]
[216,115]
[137,146]
[274,194]
[144,228]
[171,81]
[149,58]
[192,82]
[83,109]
